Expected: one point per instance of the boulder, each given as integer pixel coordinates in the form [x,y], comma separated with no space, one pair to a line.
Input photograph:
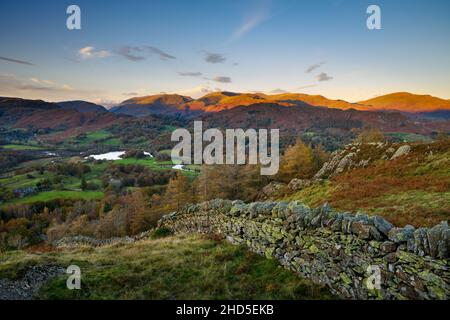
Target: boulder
[401,151]
[273,189]
[299,184]
[401,235]
[382,225]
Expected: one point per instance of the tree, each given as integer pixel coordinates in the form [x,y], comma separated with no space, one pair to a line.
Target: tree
[83,184]
[297,162]
[178,192]
[137,211]
[370,135]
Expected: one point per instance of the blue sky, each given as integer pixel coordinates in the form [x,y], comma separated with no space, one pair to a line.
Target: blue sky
[128,48]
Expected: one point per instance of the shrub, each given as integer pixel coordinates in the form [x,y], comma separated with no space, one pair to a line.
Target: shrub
[161,233]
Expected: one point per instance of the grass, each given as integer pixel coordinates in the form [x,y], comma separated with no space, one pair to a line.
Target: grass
[157,166]
[20,147]
[68,182]
[54,195]
[174,267]
[21,180]
[99,136]
[408,137]
[148,162]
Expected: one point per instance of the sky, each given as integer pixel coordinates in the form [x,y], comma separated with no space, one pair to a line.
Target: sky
[136,48]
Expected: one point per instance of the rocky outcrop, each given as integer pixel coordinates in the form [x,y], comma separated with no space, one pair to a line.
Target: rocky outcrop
[338,249]
[358,155]
[299,184]
[272,190]
[401,151]
[27,286]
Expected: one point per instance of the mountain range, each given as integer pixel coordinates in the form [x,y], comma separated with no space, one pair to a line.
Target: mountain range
[422,105]
[397,112]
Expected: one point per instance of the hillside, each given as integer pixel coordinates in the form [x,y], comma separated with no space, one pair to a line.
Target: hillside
[66,119]
[147,269]
[82,106]
[407,102]
[423,105]
[336,119]
[155,104]
[272,115]
[411,187]
[315,100]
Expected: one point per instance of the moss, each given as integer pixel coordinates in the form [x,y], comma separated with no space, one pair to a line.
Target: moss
[345,278]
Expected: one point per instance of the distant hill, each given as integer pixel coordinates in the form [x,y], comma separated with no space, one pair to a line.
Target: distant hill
[407,102]
[439,114]
[155,104]
[8,103]
[272,115]
[420,105]
[38,114]
[315,100]
[293,112]
[82,106]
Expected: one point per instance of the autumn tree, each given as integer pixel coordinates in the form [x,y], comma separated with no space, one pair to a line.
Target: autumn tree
[178,193]
[231,182]
[370,135]
[137,209]
[297,162]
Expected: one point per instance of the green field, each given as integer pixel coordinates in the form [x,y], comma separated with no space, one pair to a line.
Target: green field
[100,137]
[69,187]
[148,162]
[54,195]
[190,170]
[20,147]
[408,137]
[175,267]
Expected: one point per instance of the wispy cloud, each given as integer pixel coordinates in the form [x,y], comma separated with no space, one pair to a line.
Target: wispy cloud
[214,57]
[36,87]
[314,67]
[91,53]
[306,86]
[16,61]
[162,55]
[42,81]
[222,79]
[139,53]
[130,94]
[130,53]
[190,74]
[324,77]
[255,18]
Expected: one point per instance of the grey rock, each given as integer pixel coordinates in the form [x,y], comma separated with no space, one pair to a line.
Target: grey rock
[401,151]
[382,225]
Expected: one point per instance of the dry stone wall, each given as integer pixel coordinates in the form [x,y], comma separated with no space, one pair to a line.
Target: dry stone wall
[356,256]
